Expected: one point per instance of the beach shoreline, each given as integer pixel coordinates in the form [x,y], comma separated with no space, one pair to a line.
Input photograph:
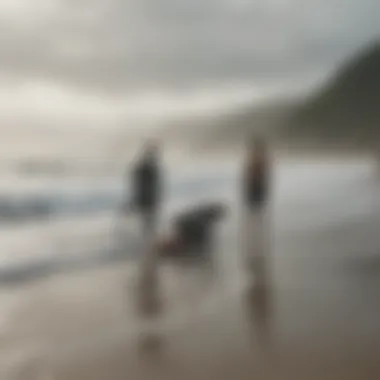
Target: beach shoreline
[82,324]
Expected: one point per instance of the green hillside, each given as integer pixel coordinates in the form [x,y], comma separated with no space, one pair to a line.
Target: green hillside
[348,106]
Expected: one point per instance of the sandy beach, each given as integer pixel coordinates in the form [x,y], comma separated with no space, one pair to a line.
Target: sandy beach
[315,316]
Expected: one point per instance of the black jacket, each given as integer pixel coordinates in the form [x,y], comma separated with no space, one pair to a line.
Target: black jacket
[255,182]
[146,185]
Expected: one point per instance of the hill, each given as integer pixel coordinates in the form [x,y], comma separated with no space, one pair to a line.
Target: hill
[347,108]
[343,112]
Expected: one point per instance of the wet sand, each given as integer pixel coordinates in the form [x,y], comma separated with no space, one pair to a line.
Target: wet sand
[315,315]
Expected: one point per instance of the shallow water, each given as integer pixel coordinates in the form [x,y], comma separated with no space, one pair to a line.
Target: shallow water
[307,196]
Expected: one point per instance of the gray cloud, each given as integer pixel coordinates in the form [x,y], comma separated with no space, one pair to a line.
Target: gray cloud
[112,45]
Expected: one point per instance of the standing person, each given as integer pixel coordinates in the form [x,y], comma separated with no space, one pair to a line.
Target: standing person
[146,198]
[146,188]
[256,176]
[256,179]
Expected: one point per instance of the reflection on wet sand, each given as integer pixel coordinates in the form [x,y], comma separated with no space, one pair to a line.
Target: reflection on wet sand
[258,304]
[194,273]
[151,344]
[258,295]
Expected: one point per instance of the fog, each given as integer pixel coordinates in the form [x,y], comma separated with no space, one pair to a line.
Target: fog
[87,287]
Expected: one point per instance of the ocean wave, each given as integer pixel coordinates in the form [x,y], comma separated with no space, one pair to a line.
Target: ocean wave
[43,205]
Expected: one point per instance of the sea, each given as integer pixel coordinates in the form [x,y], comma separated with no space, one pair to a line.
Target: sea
[51,224]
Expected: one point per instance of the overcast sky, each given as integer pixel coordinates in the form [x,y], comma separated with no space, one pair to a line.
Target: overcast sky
[102,62]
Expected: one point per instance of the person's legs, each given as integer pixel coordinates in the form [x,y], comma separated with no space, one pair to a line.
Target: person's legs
[149,297]
[247,241]
[254,235]
[149,222]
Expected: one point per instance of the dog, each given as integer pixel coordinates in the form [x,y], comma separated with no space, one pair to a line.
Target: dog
[192,231]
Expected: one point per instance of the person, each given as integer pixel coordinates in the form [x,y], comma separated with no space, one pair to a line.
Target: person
[256,177]
[146,187]
[193,231]
[255,189]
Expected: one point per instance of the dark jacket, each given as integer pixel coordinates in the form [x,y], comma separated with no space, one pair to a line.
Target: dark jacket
[256,182]
[146,185]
